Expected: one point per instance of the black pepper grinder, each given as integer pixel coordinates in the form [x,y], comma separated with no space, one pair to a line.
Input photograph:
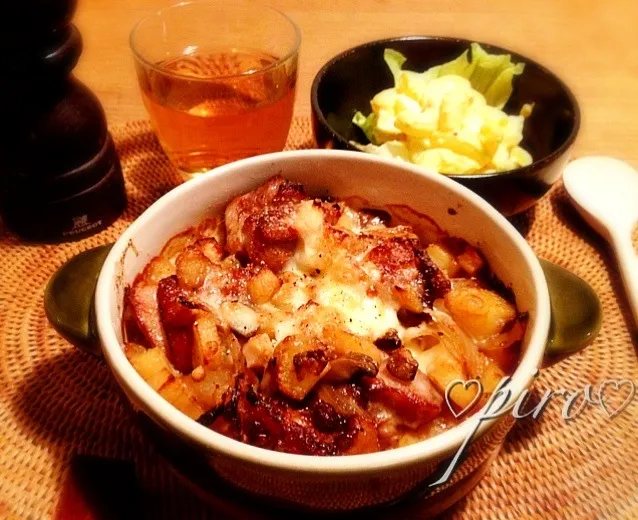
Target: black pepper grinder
[60,177]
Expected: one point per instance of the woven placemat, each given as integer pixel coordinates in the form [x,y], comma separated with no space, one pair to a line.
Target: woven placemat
[56,402]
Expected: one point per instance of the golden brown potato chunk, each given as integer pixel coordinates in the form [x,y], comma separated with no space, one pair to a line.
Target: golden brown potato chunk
[152,365]
[218,355]
[258,350]
[343,342]
[470,261]
[211,249]
[491,376]
[481,313]
[158,269]
[443,368]
[181,397]
[207,342]
[444,260]
[263,285]
[192,268]
[301,362]
[177,244]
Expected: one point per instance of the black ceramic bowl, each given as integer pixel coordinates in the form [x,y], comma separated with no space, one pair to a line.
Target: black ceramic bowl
[350,80]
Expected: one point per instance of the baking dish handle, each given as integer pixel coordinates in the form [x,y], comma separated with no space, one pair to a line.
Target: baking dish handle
[69,299]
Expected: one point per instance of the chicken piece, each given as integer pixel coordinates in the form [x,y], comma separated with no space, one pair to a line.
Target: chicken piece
[175,307]
[414,403]
[177,318]
[273,192]
[272,236]
[408,275]
[142,297]
[180,348]
[346,243]
[259,224]
[315,429]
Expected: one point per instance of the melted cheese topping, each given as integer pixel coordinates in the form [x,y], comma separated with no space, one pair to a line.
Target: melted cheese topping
[365,315]
[334,280]
[286,328]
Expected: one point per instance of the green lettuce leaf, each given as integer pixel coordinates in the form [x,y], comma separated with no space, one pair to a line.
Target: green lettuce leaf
[461,66]
[493,75]
[366,124]
[394,60]
[489,74]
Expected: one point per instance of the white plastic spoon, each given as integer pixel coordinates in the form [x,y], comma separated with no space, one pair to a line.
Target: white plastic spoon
[605,192]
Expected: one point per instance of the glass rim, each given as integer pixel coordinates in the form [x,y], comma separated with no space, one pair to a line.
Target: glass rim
[280,61]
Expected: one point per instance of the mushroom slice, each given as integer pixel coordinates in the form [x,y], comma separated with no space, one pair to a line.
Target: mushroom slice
[351,366]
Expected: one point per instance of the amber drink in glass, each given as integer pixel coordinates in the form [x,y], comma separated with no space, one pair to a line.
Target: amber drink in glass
[218,80]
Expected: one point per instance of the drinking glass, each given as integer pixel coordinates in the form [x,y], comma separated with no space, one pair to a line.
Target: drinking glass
[218,80]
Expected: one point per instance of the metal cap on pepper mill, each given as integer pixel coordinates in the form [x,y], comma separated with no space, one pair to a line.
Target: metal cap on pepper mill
[60,177]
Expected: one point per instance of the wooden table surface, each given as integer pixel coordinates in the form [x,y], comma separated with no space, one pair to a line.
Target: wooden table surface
[592,46]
